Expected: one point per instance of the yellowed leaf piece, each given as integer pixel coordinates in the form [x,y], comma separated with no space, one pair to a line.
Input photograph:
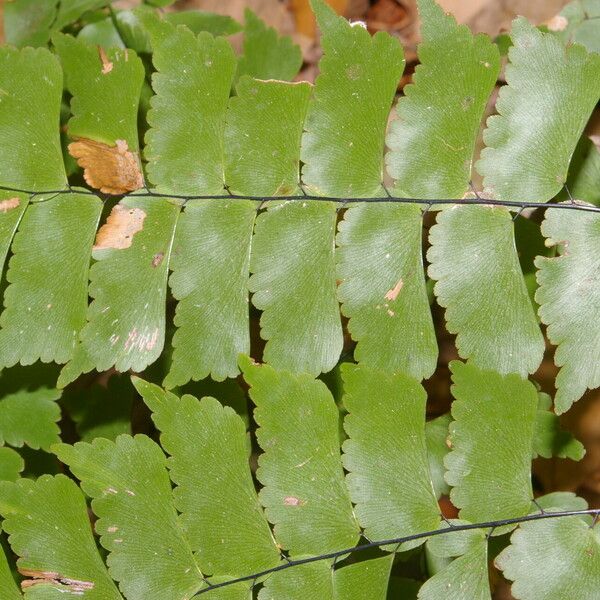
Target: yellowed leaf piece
[110,169]
[120,227]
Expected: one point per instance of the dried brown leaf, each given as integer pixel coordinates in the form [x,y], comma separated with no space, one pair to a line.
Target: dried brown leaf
[120,227]
[107,66]
[110,169]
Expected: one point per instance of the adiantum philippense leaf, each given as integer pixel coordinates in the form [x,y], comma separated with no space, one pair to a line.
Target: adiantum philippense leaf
[29,417]
[128,284]
[106,86]
[379,263]
[553,559]
[382,288]
[215,493]
[71,10]
[184,145]
[266,55]
[262,137]
[549,438]
[30,151]
[47,296]
[433,141]
[489,467]
[185,148]
[105,89]
[29,22]
[342,147]
[137,521]
[11,464]
[569,299]
[551,89]
[304,492]
[296,297]
[7,583]
[386,426]
[49,529]
[466,577]
[317,581]
[480,283]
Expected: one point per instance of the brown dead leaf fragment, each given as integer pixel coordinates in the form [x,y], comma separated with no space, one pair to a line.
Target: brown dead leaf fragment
[110,169]
[120,227]
[9,204]
[107,66]
[393,293]
[75,586]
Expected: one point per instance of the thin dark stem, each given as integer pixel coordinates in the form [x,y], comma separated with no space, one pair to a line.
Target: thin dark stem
[491,525]
[519,204]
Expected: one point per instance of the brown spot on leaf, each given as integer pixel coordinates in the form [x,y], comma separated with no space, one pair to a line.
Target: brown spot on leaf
[291,501]
[158,258]
[120,227]
[393,293]
[110,169]
[9,204]
[107,66]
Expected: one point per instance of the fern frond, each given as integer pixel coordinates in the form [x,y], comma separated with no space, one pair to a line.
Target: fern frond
[480,283]
[49,529]
[525,157]
[215,494]
[31,82]
[382,288]
[45,303]
[569,298]
[137,521]
[489,466]
[386,426]
[304,492]
[184,145]
[105,88]
[11,465]
[553,559]
[128,284]
[433,141]
[30,417]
